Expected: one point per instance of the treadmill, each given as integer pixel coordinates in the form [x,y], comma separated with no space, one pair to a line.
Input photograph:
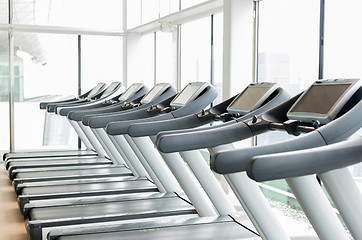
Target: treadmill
[157,94]
[329,110]
[92,93]
[266,96]
[330,163]
[119,207]
[56,161]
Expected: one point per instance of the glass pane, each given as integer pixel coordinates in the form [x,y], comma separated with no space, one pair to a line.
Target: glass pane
[45,70]
[147,59]
[101,60]
[342,49]
[195,51]
[218,55]
[190,3]
[168,6]
[288,48]
[4,12]
[288,55]
[342,42]
[165,60]
[4,91]
[81,13]
[134,13]
[150,10]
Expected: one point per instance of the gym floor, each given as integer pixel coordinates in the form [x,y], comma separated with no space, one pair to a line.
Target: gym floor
[11,221]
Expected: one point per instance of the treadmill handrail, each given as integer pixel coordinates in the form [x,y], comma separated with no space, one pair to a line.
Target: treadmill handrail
[101,120]
[102,98]
[335,131]
[43,105]
[190,121]
[305,162]
[209,94]
[238,129]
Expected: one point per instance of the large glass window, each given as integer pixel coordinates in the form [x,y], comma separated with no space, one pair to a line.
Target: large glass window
[4,13]
[288,55]
[165,59]
[195,51]
[134,13]
[168,6]
[101,60]
[4,91]
[342,48]
[218,54]
[81,13]
[150,10]
[147,59]
[48,71]
[288,47]
[190,3]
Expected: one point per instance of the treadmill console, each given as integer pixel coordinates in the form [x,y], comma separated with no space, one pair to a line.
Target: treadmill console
[133,89]
[155,92]
[252,97]
[188,94]
[114,86]
[96,90]
[323,100]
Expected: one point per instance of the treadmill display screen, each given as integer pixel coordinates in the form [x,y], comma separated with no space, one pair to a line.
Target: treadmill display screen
[110,89]
[185,95]
[320,99]
[247,99]
[96,89]
[131,90]
[155,91]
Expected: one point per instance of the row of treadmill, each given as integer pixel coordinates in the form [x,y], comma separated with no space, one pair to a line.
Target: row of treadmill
[141,174]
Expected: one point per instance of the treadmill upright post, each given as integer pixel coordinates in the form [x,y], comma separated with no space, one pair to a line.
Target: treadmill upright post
[208,181]
[346,196]
[79,132]
[254,203]
[135,156]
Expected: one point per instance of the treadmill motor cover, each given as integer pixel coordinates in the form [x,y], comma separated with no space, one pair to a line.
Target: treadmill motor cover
[323,100]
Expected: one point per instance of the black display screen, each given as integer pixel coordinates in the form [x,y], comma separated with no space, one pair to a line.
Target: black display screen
[186,95]
[320,99]
[249,98]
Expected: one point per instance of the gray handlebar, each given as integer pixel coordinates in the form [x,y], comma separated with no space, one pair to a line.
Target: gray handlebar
[306,162]
[121,127]
[232,161]
[102,121]
[203,138]
[153,128]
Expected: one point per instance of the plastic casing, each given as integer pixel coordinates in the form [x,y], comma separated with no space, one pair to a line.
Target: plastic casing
[156,91]
[251,96]
[336,99]
[189,93]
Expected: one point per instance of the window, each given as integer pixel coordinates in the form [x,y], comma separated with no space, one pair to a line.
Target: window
[101,60]
[67,13]
[165,58]
[195,51]
[48,72]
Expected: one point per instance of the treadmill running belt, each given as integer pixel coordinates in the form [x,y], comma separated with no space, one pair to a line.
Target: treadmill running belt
[127,208]
[224,231]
